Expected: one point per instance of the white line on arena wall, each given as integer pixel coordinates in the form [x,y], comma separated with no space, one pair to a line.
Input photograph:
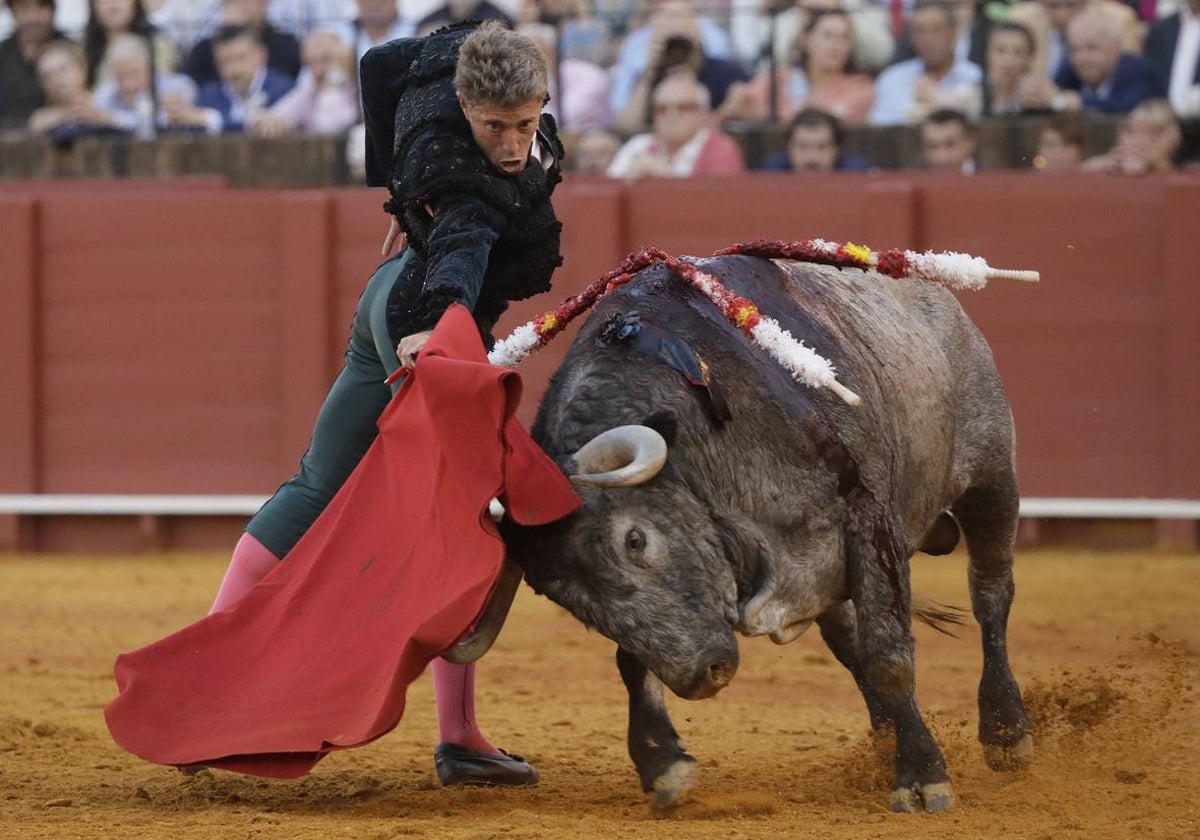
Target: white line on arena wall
[48,504]
[1111,508]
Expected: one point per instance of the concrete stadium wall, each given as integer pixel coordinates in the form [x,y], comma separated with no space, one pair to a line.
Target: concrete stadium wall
[177,337]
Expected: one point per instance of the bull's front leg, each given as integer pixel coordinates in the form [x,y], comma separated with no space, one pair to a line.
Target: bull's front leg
[878,579]
[840,633]
[666,770]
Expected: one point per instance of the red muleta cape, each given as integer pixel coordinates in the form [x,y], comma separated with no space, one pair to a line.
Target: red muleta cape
[318,655]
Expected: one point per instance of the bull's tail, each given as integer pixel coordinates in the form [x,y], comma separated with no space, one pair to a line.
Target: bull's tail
[941,617]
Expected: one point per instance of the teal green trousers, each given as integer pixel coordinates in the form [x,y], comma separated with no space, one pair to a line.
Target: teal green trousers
[345,426]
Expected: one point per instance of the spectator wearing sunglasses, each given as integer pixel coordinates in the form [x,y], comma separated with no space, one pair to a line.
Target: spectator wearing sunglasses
[683,142]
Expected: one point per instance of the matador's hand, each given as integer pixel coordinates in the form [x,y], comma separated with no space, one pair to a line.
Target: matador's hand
[396,237]
[410,346]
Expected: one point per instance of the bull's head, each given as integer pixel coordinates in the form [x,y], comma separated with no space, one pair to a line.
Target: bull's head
[641,561]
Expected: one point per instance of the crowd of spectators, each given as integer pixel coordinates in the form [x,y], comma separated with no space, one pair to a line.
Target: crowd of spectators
[643,87]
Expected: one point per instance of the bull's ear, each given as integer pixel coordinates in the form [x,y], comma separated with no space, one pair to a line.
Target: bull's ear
[665,423]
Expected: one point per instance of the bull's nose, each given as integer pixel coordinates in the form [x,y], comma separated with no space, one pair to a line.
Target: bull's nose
[720,674]
[712,679]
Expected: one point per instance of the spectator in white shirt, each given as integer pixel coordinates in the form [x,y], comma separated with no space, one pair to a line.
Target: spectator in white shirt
[1173,47]
[684,142]
[906,92]
[128,97]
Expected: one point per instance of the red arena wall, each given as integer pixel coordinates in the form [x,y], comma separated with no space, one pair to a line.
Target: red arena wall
[177,337]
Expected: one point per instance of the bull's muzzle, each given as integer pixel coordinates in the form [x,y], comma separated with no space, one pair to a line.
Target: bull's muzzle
[711,679]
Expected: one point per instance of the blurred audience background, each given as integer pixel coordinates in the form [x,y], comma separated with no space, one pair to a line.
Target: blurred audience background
[788,85]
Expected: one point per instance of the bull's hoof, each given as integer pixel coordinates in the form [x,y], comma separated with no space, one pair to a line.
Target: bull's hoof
[672,785]
[1013,757]
[933,798]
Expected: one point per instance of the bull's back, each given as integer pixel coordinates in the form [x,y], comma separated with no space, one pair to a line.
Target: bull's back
[932,402]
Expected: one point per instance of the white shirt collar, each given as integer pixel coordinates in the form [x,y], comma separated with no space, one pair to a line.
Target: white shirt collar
[542,155]
[1182,90]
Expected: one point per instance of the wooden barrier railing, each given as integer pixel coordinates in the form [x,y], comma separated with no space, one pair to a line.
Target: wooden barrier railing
[295,161]
[312,161]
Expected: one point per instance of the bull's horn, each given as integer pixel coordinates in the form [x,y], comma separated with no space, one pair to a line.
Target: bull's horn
[620,457]
[476,643]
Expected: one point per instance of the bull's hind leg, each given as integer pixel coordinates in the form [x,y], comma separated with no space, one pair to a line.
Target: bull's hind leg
[666,770]
[988,517]
[877,574]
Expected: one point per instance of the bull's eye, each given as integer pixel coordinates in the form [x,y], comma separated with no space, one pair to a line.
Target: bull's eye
[635,540]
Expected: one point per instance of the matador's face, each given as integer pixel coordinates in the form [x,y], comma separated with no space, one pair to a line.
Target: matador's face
[504,133]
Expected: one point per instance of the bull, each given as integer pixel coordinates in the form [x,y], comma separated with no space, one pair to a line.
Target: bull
[720,496]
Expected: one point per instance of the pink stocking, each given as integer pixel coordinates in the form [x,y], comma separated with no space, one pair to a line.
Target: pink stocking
[454,686]
[250,563]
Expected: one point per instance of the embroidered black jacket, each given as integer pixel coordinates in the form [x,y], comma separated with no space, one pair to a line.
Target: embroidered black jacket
[480,236]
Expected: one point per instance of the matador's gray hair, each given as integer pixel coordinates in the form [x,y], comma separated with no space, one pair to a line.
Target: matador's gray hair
[497,66]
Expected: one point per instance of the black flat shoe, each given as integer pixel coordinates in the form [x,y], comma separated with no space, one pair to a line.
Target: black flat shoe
[457,765]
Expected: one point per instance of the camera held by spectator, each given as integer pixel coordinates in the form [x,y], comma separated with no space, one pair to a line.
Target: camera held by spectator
[674,43]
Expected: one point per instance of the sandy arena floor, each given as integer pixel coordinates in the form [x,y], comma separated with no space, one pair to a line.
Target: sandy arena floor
[1106,646]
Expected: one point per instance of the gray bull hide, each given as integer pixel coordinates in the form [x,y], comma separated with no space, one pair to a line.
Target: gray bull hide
[792,507]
